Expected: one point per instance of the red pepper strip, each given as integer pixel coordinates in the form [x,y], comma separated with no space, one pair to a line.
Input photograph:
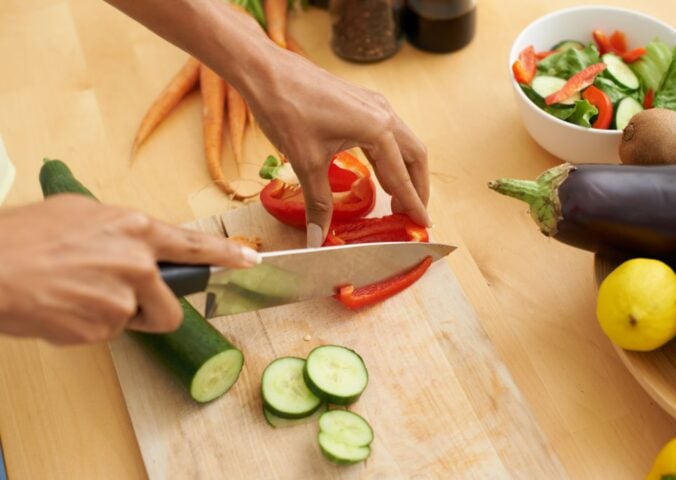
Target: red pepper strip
[633,55]
[618,42]
[601,101]
[525,67]
[390,228]
[344,170]
[285,201]
[602,42]
[368,295]
[649,99]
[577,82]
[545,54]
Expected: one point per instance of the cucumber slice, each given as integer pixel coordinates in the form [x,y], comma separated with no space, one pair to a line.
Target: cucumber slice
[279,422]
[284,391]
[566,45]
[339,452]
[198,354]
[627,108]
[348,427]
[620,71]
[544,85]
[335,374]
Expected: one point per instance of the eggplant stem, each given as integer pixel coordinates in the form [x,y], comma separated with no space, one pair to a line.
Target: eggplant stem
[542,195]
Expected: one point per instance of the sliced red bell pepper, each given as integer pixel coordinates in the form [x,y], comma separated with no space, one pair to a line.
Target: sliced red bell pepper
[602,42]
[525,67]
[351,184]
[545,54]
[632,55]
[649,99]
[618,42]
[576,83]
[601,101]
[368,295]
[390,228]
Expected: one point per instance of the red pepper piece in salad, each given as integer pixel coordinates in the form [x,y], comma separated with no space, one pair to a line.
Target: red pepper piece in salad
[618,41]
[576,83]
[368,295]
[353,191]
[649,99]
[602,42]
[632,55]
[602,102]
[525,67]
[390,228]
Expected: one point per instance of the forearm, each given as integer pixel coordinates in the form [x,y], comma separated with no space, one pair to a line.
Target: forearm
[229,42]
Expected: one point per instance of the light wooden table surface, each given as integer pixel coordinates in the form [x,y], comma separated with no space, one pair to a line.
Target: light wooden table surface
[77,77]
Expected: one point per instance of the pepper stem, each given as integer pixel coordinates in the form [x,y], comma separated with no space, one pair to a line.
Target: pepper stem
[542,195]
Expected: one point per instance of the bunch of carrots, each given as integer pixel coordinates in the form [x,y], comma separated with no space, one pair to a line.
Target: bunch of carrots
[216,93]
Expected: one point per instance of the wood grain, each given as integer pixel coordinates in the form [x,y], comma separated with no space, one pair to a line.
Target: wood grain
[77,78]
[441,402]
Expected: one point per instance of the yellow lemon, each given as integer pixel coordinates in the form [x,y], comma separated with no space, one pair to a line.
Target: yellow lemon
[665,464]
[636,305]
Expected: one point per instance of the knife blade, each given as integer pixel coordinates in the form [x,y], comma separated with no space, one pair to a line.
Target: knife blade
[290,276]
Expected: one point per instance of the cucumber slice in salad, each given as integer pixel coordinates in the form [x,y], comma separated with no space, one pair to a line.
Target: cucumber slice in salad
[335,374]
[344,437]
[544,85]
[620,71]
[284,391]
[279,422]
[627,108]
[566,45]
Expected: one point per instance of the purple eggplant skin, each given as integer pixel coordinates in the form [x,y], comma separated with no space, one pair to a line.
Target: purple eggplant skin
[609,209]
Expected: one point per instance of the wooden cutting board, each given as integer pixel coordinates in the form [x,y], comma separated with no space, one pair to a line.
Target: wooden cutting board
[440,401]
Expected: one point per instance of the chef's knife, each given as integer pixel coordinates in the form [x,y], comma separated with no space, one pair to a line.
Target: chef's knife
[291,276]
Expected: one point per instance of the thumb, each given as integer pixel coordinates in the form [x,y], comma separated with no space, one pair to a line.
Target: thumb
[318,205]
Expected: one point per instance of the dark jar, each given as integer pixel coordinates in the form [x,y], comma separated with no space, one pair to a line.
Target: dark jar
[366,30]
[440,26]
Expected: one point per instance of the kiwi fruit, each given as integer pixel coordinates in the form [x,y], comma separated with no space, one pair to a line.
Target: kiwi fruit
[650,138]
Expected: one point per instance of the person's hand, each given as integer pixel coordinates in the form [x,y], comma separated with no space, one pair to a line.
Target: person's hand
[73,270]
[310,115]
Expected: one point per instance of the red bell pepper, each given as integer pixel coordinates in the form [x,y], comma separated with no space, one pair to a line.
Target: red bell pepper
[618,42]
[391,228]
[353,193]
[632,55]
[525,67]
[602,42]
[601,101]
[649,99]
[576,83]
[368,295]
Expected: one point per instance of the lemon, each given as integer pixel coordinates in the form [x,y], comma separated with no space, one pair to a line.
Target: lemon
[665,463]
[636,305]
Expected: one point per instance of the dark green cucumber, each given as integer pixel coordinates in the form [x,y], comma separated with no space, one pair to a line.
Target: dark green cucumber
[279,422]
[335,374]
[198,354]
[284,392]
[344,437]
[56,177]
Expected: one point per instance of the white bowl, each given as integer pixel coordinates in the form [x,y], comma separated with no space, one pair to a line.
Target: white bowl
[567,141]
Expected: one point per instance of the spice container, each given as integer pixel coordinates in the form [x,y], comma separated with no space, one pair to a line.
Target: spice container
[366,30]
[440,25]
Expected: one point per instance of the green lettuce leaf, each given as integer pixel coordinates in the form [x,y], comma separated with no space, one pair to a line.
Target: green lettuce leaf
[666,95]
[559,111]
[567,63]
[652,67]
[583,113]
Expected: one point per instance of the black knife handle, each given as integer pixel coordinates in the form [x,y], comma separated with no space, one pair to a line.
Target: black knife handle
[185,279]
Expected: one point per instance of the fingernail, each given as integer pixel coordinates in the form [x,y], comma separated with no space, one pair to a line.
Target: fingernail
[251,256]
[315,235]
[428,220]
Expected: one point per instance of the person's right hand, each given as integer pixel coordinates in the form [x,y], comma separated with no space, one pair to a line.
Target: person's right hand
[73,270]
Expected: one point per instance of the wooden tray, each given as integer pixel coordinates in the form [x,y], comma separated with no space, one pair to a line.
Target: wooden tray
[656,370]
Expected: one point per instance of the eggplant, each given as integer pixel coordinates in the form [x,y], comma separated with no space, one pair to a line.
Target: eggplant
[617,210]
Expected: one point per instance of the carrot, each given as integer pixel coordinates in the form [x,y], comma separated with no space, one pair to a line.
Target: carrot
[275,15]
[295,47]
[179,86]
[236,121]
